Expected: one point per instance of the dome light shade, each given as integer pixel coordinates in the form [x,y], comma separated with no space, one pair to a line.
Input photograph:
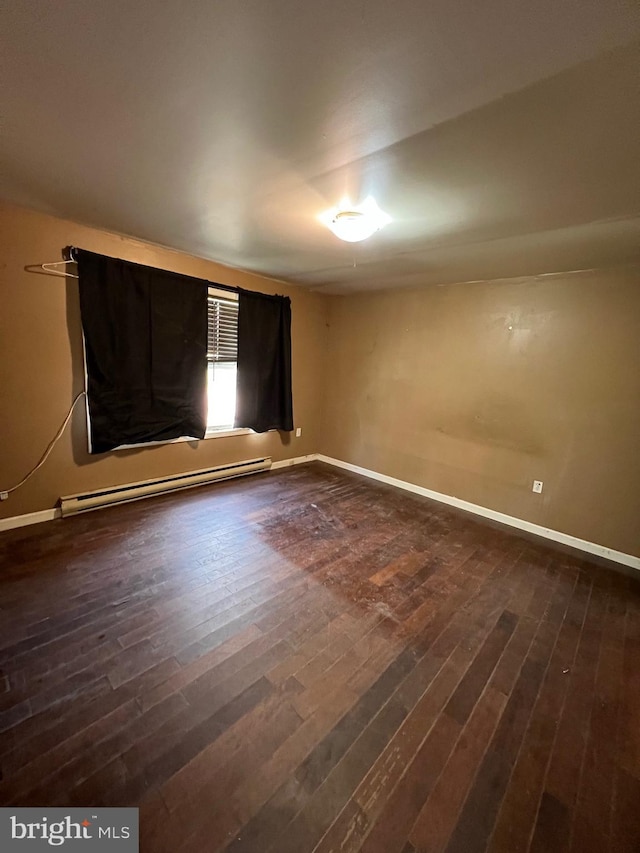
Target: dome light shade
[355,222]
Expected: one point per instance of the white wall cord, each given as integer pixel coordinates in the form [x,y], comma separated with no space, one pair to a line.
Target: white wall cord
[50,447]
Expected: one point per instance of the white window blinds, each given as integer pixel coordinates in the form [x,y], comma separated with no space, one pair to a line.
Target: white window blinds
[222,343]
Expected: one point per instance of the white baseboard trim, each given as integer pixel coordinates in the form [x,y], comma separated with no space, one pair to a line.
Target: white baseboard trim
[510,520]
[297,460]
[28,518]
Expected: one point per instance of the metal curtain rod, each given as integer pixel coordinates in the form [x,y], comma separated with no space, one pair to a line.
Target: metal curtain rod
[69,255]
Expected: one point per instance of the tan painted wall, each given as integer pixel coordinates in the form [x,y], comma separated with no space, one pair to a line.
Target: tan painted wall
[41,368]
[476,390]
[430,386]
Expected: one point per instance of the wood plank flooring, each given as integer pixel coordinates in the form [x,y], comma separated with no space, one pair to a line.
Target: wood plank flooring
[308,661]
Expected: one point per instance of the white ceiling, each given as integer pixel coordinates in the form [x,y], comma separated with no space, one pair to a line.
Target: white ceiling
[501,136]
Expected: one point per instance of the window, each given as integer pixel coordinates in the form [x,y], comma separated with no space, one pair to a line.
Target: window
[222,355]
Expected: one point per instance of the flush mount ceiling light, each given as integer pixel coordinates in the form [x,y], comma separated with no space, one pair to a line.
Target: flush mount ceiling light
[355,222]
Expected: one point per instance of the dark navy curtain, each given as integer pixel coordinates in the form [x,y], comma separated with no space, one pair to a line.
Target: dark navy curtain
[145,334]
[263,400]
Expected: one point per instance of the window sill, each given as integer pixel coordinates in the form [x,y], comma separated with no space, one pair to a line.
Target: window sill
[211,433]
[223,433]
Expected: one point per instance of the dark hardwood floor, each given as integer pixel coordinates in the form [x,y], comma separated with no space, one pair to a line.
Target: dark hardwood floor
[308,661]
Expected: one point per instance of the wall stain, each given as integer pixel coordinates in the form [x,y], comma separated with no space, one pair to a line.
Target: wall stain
[498,422]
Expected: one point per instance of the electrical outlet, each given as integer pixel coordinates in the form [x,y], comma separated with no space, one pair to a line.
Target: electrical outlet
[4,496]
[298,432]
[537,486]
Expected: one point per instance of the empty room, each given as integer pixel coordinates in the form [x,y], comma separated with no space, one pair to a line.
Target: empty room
[320,426]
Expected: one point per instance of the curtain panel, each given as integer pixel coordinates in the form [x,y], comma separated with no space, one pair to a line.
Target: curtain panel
[264,399]
[145,335]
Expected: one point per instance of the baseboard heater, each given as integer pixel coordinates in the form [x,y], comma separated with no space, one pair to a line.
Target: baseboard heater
[73,504]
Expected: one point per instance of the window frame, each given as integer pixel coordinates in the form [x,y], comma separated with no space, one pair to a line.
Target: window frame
[213,294]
